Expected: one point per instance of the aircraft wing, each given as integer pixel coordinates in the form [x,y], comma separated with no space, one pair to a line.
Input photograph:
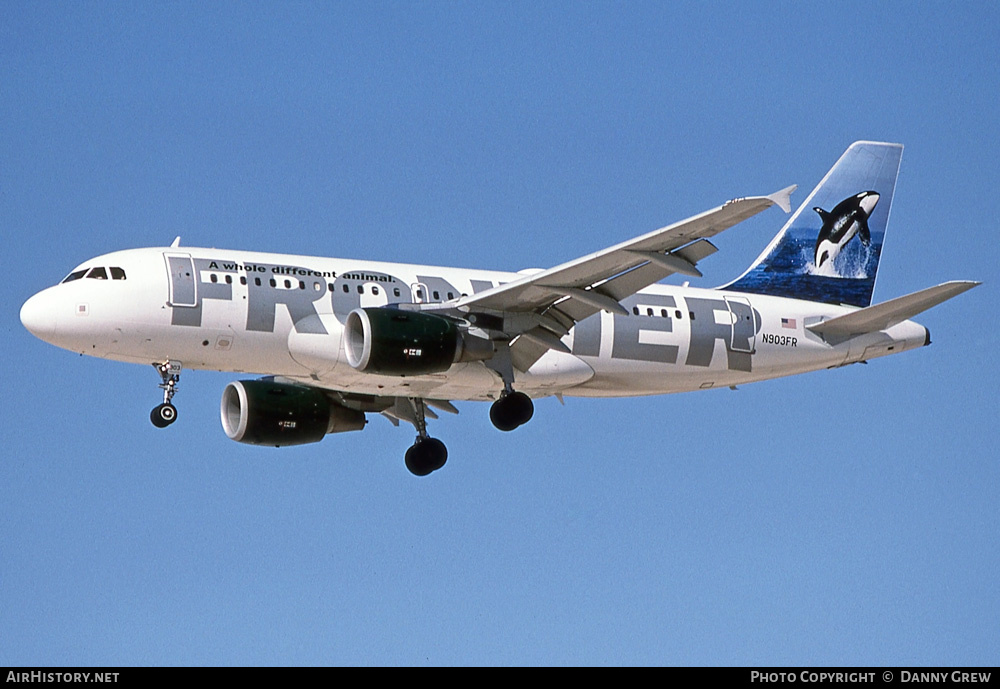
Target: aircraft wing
[563,295]
[657,247]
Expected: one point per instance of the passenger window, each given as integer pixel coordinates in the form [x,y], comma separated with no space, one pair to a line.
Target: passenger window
[273,283]
[256,281]
[117,273]
[436,296]
[346,288]
[288,284]
[243,279]
[677,314]
[229,279]
[395,291]
[75,275]
[214,278]
[451,296]
[663,313]
[361,289]
[649,311]
[635,310]
[375,290]
[98,274]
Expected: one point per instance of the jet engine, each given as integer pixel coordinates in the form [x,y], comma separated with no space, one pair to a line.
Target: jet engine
[263,412]
[408,343]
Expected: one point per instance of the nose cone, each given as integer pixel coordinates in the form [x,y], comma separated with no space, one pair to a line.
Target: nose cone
[38,315]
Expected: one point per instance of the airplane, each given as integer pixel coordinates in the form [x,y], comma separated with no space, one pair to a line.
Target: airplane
[338,339]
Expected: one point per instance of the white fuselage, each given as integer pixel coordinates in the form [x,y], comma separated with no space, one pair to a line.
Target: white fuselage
[283,315]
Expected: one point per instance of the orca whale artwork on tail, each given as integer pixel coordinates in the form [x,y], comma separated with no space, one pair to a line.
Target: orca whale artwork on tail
[813,257]
[847,219]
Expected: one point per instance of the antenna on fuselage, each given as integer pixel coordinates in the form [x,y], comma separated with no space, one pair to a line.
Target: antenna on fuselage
[176,243]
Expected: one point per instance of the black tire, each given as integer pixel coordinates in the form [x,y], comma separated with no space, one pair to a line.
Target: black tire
[163,415]
[437,453]
[501,415]
[514,410]
[426,456]
[524,408]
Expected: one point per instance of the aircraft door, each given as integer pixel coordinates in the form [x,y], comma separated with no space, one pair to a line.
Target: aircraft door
[743,337]
[183,286]
[420,293]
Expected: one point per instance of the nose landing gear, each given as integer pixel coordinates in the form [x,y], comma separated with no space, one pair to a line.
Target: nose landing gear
[165,414]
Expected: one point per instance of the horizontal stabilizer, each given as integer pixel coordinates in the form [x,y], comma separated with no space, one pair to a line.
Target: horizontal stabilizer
[887,314]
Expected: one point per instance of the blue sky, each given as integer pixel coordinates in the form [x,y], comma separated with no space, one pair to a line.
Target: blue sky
[840,517]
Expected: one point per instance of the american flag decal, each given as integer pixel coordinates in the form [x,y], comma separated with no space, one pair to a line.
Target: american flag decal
[788,323]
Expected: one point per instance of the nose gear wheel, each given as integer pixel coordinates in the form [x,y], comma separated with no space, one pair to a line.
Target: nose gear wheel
[165,414]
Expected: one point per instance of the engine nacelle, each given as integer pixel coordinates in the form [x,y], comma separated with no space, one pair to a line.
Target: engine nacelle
[408,343]
[261,412]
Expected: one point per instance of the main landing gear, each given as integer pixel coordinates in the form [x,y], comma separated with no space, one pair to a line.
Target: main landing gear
[165,414]
[427,454]
[513,409]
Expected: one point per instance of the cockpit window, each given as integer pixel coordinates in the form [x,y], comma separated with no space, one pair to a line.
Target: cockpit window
[99,273]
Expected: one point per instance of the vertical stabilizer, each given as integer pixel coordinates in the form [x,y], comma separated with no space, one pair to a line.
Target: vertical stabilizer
[830,248]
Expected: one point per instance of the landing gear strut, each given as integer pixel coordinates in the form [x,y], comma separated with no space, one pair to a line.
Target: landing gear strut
[165,414]
[513,409]
[427,454]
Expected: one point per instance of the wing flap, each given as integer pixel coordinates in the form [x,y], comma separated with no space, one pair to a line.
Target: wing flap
[627,284]
[524,352]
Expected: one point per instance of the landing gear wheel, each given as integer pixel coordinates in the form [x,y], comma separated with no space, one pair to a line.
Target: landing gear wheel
[163,415]
[425,456]
[170,373]
[511,411]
